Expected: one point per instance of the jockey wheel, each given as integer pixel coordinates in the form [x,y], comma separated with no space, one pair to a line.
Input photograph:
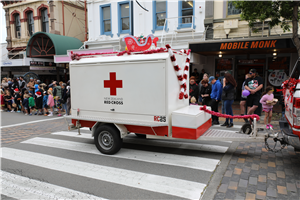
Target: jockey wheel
[247,129]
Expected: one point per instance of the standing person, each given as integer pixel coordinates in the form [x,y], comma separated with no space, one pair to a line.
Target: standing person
[8,100]
[39,102]
[228,95]
[50,102]
[30,86]
[216,94]
[254,84]
[31,104]
[56,90]
[45,105]
[267,107]
[15,84]
[205,92]
[64,98]
[17,99]
[69,99]
[25,103]
[205,77]
[2,100]
[194,89]
[22,84]
[244,99]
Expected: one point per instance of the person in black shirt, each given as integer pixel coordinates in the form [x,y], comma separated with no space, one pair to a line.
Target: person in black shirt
[254,84]
[205,92]
[194,89]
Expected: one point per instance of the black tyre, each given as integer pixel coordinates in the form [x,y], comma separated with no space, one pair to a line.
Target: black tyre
[140,135]
[246,128]
[107,139]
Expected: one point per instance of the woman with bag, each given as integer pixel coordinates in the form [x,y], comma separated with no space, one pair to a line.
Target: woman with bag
[228,96]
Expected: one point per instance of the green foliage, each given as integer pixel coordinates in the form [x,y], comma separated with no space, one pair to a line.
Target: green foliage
[277,12]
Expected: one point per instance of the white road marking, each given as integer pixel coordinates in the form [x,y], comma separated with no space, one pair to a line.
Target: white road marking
[205,164]
[157,142]
[20,187]
[31,122]
[150,182]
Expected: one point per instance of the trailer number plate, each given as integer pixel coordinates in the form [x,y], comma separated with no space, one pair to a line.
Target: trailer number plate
[160,118]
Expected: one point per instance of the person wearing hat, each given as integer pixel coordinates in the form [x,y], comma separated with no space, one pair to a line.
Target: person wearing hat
[254,84]
[194,88]
[30,86]
[17,99]
[216,96]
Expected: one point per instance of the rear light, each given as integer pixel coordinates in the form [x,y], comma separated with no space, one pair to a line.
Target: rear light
[296,112]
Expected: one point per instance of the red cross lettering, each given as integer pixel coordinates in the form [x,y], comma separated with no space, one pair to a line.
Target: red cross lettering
[113,84]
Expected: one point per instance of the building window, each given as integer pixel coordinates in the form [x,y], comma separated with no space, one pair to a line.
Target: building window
[186,13]
[45,20]
[231,10]
[160,13]
[18,26]
[105,19]
[124,18]
[30,22]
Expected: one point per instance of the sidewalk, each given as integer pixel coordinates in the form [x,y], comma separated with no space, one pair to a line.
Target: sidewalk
[255,173]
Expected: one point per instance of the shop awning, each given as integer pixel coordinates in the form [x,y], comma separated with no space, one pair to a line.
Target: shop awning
[42,44]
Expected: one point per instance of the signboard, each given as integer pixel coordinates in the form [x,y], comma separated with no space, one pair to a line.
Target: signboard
[40,63]
[248,45]
[14,69]
[6,63]
[42,68]
[276,77]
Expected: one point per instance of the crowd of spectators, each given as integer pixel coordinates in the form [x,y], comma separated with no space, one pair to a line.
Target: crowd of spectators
[34,97]
[210,91]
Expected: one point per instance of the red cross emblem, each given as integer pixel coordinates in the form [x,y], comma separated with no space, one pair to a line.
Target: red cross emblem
[113,84]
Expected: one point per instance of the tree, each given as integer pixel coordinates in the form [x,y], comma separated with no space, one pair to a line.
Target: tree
[277,13]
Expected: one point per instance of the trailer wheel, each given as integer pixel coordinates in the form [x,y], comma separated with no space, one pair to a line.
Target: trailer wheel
[246,128]
[107,139]
[140,135]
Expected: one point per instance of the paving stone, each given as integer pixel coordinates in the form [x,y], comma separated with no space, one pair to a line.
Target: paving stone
[293,196]
[253,180]
[262,186]
[262,178]
[232,185]
[243,183]
[263,165]
[255,167]
[287,161]
[261,194]
[241,160]
[291,187]
[271,164]
[233,162]
[235,178]
[291,179]
[230,194]
[228,173]
[245,175]
[237,171]
[281,181]
[239,196]
[250,196]
[272,176]
[281,190]
[272,170]
[280,174]
[263,172]
[271,192]
[251,189]
[254,173]
[242,190]
[225,180]
[219,196]
[223,188]
[298,184]
[288,172]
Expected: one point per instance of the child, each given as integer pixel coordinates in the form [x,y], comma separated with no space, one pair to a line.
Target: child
[39,102]
[267,97]
[25,103]
[58,105]
[8,100]
[45,105]
[50,102]
[17,99]
[2,100]
[31,104]
[193,101]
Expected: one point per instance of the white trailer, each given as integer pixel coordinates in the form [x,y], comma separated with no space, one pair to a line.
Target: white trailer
[118,95]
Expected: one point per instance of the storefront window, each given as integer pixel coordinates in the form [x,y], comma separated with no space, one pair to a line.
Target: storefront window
[278,71]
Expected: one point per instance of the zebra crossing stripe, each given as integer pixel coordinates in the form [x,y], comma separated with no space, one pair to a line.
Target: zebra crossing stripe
[160,143]
[20,187]
[150,182]
[205,164]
